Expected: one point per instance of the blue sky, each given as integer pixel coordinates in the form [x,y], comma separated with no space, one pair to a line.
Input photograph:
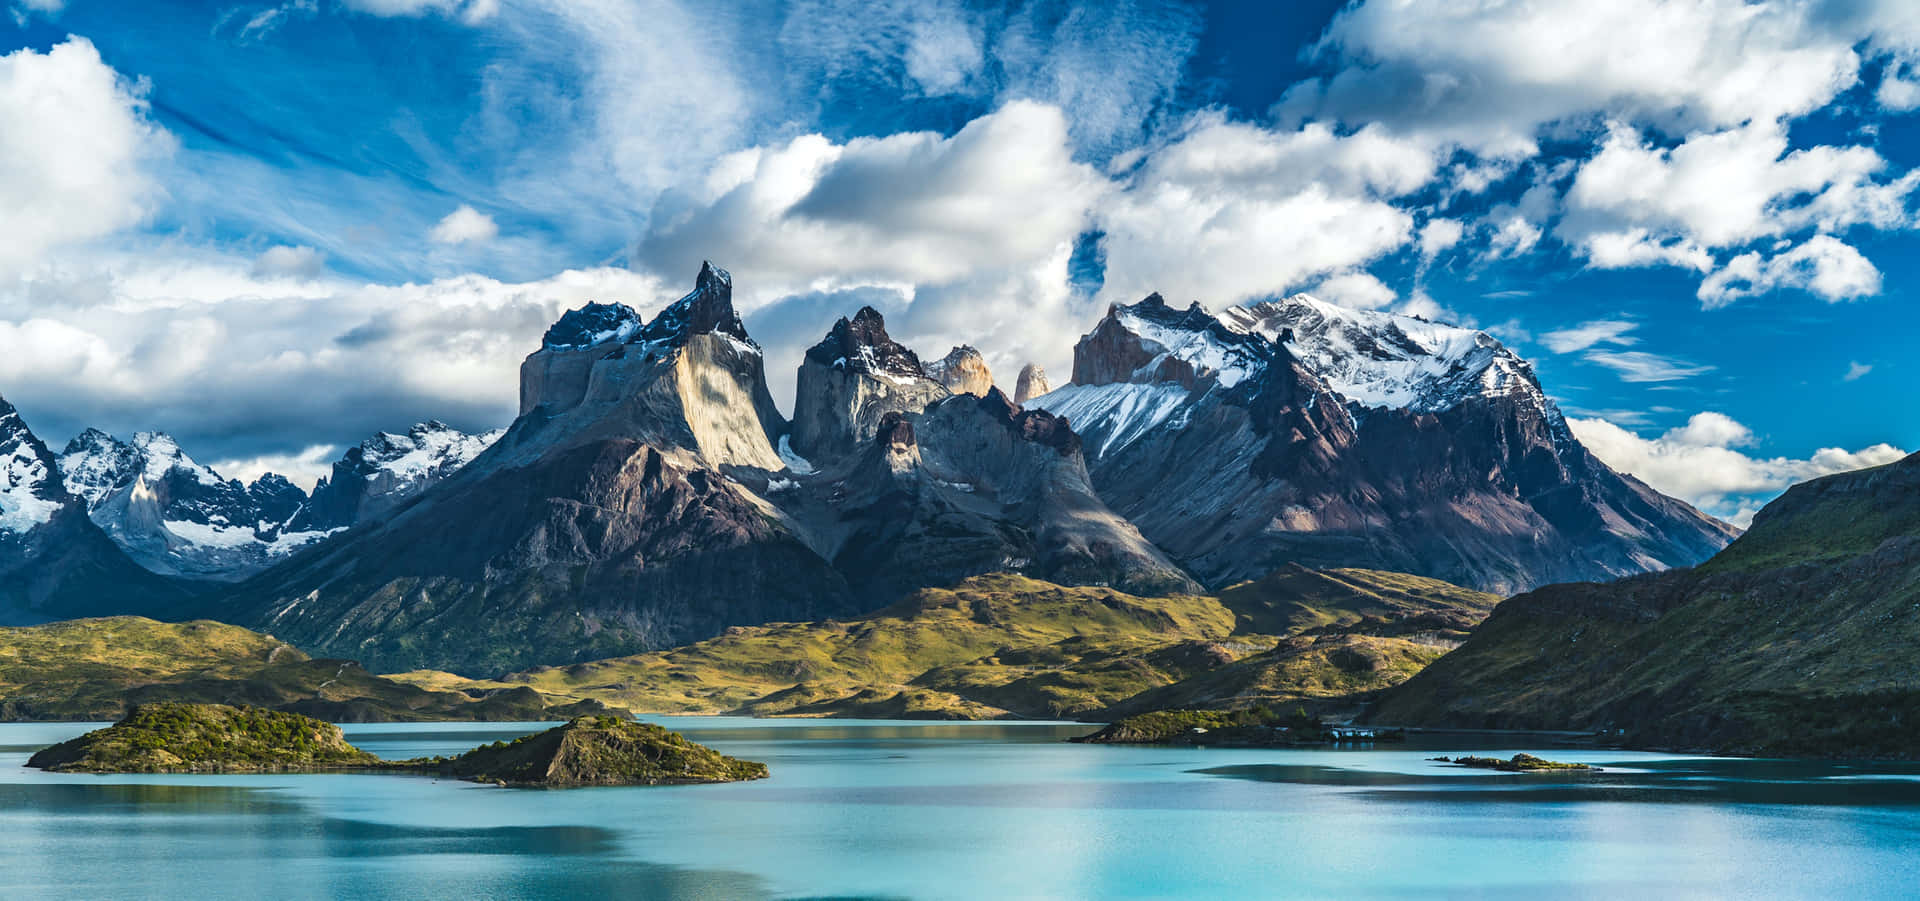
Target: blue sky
[272,228]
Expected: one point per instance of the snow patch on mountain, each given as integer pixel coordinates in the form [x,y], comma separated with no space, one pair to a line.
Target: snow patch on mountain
[1230,364]
[23,480]
[1110,417]
[1378,359]
[796,464]
[428,451]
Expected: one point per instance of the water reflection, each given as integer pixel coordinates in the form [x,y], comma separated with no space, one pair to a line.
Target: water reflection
[1682,781]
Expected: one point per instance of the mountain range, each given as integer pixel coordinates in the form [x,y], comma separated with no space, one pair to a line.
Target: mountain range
[1296,431]
[651,494]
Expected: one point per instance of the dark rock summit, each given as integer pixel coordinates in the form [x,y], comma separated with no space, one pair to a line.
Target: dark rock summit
[850,381]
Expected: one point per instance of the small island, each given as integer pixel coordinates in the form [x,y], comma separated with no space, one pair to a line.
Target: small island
[595,749]
[1256,727]
[600,750]
[1520,763]
[170,737]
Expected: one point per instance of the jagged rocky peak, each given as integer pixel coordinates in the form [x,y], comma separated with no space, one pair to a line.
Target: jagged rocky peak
[861,344]
[54,562]
[94,463]
[690,379]
[1032,383]
[707,310]
[595,323]
[1378,359]
[1150,342]
[963,371]
[850,381]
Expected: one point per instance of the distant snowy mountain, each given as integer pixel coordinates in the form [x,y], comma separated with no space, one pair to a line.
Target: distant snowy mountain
[178,517]
[1375,359]
[388,469]
[54,562]
[1298,431]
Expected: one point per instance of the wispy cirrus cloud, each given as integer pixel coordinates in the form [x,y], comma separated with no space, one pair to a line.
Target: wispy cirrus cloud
[1588,334]
[1641,366]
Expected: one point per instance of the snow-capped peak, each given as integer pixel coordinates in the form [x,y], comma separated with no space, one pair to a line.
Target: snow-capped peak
[428,450]
[29,488]
[1195,337]
[1378,359]
[161,454]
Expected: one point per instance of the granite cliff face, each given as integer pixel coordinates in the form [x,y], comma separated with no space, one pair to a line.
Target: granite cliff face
[55,563]
[605,521]
[1032,384]
[963,371]
[1796,640]
[934,492]
[850,381]
[1299,432]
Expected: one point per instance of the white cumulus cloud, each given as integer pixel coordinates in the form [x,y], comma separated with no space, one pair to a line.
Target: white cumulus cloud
[76,148]
[464,225]
[1703,463]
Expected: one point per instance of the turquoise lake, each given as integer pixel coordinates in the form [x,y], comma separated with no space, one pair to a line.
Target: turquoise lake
[971,810]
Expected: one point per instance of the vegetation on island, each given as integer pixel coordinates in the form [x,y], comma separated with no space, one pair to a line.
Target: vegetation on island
[600,750]
[99,669]
[1519,763]
[596,749]
[205,738]
[1260,726]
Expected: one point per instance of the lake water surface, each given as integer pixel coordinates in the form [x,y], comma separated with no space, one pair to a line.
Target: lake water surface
[973,810]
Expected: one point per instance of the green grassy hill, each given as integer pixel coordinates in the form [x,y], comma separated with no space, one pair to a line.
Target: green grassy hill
[97,669]
[1800,639]
[1007,645]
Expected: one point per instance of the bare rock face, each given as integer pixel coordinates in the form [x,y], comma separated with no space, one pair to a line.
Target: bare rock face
[962,371]
[1032,384]
[604,522]
[55,563]
[850,381]
[971,485]
[1297,432]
